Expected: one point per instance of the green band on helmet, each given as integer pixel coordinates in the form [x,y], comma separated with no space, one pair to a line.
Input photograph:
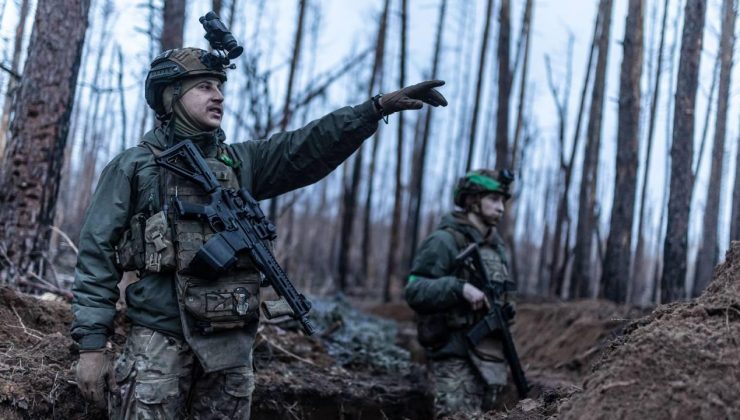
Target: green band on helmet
[488,183]
[412,278]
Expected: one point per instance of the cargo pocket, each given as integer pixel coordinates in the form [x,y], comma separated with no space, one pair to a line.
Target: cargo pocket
[160,391]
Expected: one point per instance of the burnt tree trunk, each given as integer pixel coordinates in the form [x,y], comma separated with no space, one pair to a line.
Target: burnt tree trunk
[416,189]
[504,86]
[708,247]
[673,280]
[349,196]
[583,269]
[29,181]
[615,276]
[173,24]
[393,244]
[479,85]
[20,31]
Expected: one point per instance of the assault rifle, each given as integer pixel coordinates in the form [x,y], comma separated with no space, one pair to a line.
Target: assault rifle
[239,224]
[494,319]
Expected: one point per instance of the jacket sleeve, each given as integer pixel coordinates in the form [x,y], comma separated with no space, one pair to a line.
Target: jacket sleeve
[432,285]
[298,158]
[96,276]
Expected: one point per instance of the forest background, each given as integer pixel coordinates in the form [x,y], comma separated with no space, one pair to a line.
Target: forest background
[579,98]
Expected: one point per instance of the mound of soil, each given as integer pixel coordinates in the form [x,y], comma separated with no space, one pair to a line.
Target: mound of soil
[36,354]
[681,361]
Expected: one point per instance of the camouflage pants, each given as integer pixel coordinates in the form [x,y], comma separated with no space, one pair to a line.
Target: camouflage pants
[459,387]
[159,377]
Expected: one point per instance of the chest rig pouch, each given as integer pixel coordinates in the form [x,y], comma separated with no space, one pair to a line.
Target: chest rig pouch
[215,302]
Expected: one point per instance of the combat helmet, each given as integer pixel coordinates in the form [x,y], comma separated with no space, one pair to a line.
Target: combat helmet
[177,64]
[483,181]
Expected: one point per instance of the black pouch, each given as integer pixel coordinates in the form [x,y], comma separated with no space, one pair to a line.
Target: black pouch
[131,249]
[432,331]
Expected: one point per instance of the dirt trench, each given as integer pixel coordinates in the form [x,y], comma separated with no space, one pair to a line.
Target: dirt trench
[585,359]
[365,365]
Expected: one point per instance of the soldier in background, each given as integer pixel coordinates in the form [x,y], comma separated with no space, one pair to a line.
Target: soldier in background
[189,353]
[465,378]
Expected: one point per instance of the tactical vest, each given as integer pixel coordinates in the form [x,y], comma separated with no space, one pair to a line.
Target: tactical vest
[435,330]
[219,313]
[216,302]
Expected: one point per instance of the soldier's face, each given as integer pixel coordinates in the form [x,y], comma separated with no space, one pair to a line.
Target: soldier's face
[204,104]
[492,208]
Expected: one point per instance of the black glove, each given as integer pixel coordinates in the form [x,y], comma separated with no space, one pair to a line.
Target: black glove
[411,97]
[508,311]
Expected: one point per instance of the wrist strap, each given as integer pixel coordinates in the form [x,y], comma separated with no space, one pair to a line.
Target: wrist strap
[376,102]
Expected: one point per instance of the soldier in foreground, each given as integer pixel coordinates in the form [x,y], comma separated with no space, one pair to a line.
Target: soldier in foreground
[468,375]
[189,353]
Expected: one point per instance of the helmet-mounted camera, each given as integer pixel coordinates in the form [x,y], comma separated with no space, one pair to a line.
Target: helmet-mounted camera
[221,40]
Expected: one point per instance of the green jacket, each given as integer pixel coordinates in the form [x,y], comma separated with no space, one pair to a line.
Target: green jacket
[129,184]
[436,285]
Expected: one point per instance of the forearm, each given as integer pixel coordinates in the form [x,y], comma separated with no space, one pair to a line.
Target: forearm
[427,295]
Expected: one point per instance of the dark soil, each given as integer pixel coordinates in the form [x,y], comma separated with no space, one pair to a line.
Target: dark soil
[587,359]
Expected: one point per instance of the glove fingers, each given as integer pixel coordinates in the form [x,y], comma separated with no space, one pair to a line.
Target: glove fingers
[429,84]
[409,103]
[435,98]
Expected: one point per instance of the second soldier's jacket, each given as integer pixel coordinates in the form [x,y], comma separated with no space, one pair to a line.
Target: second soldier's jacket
[435,288]
[131,184]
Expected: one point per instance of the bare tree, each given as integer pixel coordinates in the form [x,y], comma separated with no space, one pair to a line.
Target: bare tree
[479,85]
[563,221]
[640,252]
[393,245]
[504,86]
[349,196]
[561,98]
[10,91]
[173,24]
[29,181]
[416,189]
[735,216]
[708,247]
[297,39]
[523,37]
[673,280]
[615,276]
[583,270]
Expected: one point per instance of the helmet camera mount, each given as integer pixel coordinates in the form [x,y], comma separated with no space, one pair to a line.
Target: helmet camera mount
[225,47]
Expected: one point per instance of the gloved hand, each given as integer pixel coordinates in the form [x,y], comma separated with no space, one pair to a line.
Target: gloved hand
[508,311]
[412,97]
[94,375]
[475,297]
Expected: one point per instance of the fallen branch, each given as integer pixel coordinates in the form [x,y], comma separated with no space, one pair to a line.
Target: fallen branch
[66,238]
[25,329]
[295,356]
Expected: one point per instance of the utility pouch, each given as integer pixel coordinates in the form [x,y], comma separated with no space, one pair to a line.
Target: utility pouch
[223,304]
[130,249]
[159,250]
[432,331]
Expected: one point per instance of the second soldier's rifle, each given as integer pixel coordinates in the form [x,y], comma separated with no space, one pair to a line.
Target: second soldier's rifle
[494,319]
[239,226]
